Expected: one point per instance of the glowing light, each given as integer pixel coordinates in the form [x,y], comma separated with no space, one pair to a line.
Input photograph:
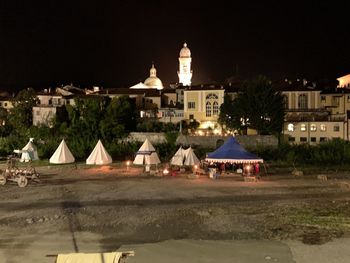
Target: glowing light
[165,171]
[196,167]
[127,165]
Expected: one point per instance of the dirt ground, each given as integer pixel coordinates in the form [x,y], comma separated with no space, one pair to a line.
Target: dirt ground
[126,207]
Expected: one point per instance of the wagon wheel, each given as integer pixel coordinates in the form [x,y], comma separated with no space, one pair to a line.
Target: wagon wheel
[22,181]
[2,180]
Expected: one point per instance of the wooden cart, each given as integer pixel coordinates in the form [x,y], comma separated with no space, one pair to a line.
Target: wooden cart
[21,175]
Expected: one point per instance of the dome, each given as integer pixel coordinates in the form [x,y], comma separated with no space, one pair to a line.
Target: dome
[185,51]
[153,81]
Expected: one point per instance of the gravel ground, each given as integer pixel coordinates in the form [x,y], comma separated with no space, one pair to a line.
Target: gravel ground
[125,207]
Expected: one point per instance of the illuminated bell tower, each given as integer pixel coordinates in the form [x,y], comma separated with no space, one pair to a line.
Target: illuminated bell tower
[185,72]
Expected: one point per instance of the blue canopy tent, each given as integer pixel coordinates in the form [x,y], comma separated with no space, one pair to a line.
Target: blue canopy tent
[232,152]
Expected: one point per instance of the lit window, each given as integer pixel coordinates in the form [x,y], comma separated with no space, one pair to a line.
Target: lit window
[208,109]
[336,128]
[323,127]
[215,108]
[303,127]
[291,127]
[313,127]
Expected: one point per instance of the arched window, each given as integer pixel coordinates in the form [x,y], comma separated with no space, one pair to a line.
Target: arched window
[208,109]
[215,108]
[302,101]
[211,96]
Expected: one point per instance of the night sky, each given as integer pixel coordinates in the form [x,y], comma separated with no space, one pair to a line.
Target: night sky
[113,44]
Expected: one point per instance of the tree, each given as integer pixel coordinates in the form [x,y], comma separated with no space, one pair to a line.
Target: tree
[119,119]
[257,106]
[21,116]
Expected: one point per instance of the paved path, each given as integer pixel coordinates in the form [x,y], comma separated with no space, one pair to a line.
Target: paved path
[34,248]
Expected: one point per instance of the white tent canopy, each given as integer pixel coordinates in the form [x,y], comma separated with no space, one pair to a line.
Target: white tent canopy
[62,154]
[178,158]
[29,152]
[99,155]
[184,157]
[146,154]
[191,158]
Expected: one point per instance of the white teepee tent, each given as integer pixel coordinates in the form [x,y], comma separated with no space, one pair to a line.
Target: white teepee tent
[99,155]
[178,158]
[191,158]
[62,154]
[29,152]
[146,154]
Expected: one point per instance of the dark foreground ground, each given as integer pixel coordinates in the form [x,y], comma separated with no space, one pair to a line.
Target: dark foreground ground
[120,208]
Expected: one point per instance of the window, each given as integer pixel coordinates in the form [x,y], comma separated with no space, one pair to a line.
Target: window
[303,139]
[302,101]
[38,113]
[285,101]
[323,127]
[208,109]
[323,98]
[313,127]
[59,101]
[348,98]
[50,101]
[336,128]
[291,139]
[182,92]
[0,104]
[191,116]
[5,104]
[323,139]
[215,108]
[191,105]
[335,101]
[211,96]
[291,127]
[303,127]
[313,139]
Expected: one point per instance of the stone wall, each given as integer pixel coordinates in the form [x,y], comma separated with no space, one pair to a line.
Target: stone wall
[154,137]
[251,141]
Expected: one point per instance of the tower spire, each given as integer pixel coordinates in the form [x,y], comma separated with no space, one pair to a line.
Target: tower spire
[185,72]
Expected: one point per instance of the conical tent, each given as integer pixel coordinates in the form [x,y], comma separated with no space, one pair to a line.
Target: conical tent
[62,154]
[232,152]
[146,154]
[29,152]
[99,155]
[178,158]
[191,158]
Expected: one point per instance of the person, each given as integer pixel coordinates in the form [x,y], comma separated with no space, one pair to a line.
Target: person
[256,168]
